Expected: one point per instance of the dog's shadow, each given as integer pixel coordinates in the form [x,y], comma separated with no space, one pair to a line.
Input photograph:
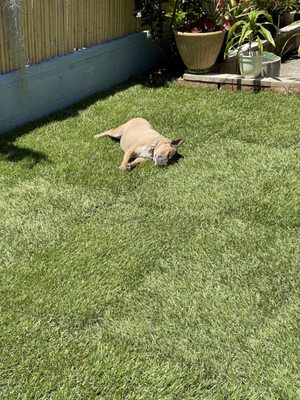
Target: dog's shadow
[117,140]
[176,159]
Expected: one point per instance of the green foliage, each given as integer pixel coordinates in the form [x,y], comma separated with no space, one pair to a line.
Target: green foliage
[158,16]
[180,12]
[192,11]
[285,48]
[152,13]
[276,6]
[250,29]
[237,8]
[287,5]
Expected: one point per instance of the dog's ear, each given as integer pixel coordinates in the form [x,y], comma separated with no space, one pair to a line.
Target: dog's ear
[177,143]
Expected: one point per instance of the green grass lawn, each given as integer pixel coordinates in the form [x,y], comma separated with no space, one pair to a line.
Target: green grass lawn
[177,283]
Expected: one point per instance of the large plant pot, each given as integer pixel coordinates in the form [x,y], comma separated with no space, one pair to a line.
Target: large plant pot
[271,64]
[250,65]
[199,51]
[286,18]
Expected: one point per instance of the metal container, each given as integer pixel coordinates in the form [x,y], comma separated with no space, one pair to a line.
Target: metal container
[270,65]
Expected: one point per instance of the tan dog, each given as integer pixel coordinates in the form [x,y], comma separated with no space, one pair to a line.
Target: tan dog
[139,140]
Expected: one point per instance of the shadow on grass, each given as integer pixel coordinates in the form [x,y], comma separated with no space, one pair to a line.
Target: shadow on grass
[163,75]
[12,152]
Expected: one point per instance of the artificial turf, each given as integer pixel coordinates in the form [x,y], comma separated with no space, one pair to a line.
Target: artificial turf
[176,283]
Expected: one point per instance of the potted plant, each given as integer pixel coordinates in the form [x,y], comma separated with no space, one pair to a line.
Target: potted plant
[199,32]
[287,12]
[282,11]
[251,32]
[198,27]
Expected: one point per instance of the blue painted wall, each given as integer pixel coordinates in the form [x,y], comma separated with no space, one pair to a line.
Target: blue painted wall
[40,89]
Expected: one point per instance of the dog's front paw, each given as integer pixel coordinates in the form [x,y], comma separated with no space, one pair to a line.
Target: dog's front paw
[129,167]
[123,167]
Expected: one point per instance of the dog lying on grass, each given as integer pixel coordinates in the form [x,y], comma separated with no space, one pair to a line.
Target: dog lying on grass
[140,142]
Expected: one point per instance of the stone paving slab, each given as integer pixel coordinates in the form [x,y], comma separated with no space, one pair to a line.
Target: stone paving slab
[290,69]
[237,82]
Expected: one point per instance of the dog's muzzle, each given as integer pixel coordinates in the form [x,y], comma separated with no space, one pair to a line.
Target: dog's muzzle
[160,162]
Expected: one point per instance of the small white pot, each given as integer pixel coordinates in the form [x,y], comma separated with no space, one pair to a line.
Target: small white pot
[250,65]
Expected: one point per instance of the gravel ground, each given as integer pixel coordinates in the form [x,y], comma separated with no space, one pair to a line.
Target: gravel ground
[290,68]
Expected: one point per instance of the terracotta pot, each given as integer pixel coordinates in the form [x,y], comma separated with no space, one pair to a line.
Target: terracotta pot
[199,51]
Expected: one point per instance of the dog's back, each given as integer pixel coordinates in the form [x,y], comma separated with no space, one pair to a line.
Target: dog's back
[135,130]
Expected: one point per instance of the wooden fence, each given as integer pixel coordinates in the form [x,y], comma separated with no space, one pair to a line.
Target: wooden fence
[37,30]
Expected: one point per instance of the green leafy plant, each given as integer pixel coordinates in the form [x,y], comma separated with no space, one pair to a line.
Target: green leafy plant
[287,6]
[152,14]
[249,30]
[276,6]
[238,7]
[286,48]
[232,10]
[202,15]
[193,15]
[155,16]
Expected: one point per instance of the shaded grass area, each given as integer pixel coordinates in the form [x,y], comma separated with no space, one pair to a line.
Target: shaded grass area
[177,283]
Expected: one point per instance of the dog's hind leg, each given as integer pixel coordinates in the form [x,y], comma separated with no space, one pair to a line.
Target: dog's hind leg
[115,133]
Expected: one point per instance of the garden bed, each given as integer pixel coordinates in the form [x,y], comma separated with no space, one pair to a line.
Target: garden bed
[225,75]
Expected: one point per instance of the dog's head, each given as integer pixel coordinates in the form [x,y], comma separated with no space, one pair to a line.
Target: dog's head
[164,152]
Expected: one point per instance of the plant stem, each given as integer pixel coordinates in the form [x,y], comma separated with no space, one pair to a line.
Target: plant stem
[174,13]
